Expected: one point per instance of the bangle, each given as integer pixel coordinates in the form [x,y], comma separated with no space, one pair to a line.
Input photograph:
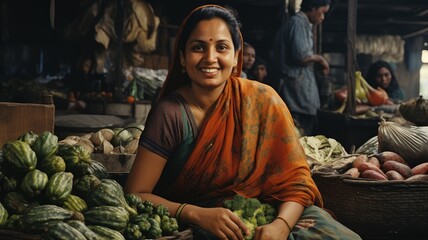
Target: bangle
[179,210]
[285,221]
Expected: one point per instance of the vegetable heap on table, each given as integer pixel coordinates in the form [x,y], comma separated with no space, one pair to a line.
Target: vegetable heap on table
[321,149]
[251,211]
[57,191]
[364,93]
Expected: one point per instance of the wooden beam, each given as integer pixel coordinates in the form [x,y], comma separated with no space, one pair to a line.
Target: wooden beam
[417,33]
[351,55]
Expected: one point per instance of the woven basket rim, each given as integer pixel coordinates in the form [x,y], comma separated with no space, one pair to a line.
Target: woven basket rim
[369,182]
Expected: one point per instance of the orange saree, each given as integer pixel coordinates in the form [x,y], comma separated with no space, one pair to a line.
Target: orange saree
[248,146]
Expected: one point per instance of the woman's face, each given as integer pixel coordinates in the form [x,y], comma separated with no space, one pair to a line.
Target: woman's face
[383,77]
[209,55]
[249,56]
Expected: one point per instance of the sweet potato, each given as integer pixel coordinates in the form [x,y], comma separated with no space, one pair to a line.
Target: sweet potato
[394,175]
[401,168]
[372,174]
[364,166]
[386,156]
[420,169]
[373,160]
[360,159]
[418,177]
[353,172]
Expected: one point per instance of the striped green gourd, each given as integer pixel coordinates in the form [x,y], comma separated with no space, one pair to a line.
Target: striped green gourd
[59,187]
[82,228]
[45,145]
[109,192]
[73,155]
[34,183]
[61,230]
[4,215]
[98,169]
[39,218]
[51,165]
[113,217]
[106,233]
[20,155]
[74,203]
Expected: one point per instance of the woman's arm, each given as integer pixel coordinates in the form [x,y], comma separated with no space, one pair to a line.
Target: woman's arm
[142,179]
[144,175]
[288,215]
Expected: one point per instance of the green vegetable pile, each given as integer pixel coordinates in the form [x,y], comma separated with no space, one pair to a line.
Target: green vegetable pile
[321,148]
[57,191]
[150,222]
[251,211]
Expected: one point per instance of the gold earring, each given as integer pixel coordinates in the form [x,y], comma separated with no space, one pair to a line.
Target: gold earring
[183,70]
[234,71]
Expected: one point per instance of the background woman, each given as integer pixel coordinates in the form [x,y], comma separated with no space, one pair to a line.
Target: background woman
[381,74]
[213,135]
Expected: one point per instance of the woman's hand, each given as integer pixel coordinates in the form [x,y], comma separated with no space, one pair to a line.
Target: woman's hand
[272,231]
[219,221]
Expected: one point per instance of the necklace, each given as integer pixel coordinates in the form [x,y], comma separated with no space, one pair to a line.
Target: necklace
[196,102]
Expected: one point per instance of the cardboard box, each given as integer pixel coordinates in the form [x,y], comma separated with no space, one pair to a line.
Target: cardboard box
[19,118]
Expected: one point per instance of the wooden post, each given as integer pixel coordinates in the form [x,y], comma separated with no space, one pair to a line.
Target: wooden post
[118,91]
[350,55]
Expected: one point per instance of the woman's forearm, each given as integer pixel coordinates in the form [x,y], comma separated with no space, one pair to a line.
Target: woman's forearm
[290,212]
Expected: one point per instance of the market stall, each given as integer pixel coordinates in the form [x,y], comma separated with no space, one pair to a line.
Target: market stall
[53,188]
[96,134]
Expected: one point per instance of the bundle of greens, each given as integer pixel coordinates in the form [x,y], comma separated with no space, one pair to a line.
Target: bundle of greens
[321,148]
[251,211]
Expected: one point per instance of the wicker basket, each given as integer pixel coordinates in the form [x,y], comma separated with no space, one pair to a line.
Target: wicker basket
[376,209]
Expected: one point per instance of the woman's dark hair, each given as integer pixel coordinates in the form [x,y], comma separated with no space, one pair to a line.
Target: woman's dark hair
[208,13]
[308,5]
[246,45]
[372,72]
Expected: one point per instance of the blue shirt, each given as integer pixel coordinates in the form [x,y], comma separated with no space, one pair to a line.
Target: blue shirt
[295,82]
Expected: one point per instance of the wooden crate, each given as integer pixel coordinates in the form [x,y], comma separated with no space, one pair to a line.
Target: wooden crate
[19,118]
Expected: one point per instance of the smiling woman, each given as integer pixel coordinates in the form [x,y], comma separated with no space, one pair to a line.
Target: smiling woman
[213,135]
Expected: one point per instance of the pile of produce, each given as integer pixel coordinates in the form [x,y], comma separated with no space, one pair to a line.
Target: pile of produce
[251,211]
[321,150]
[386,165]
[398,152]
[415,110]
[57,191]
[108,141]
[364,93]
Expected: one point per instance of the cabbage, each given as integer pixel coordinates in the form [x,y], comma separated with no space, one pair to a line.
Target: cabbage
[121,137]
